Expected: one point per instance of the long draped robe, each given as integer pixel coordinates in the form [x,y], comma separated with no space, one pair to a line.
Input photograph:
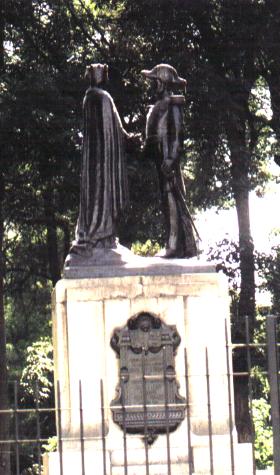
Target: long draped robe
[104,189]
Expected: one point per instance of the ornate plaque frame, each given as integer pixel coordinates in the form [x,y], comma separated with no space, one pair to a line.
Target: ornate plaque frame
[148,401]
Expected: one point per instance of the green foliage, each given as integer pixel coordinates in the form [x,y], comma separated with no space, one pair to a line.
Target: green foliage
[36,390]
[269,270]
[28,312]
[261,387]
[51,445]
[261,408]
[37,375]
[147,248]
[34,470]
[225,254]
[263,433]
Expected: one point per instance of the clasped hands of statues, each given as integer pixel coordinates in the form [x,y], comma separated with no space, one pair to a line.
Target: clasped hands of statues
[167,168]
[135,143]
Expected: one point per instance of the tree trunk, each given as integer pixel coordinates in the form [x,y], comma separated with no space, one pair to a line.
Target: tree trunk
[4,418]
[246,307]
[247,267]
[240,160]
[52,243]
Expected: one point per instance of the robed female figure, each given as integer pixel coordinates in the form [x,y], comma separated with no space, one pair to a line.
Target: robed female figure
[103,188]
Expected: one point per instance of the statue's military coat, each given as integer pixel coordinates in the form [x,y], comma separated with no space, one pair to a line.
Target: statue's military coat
[164,143]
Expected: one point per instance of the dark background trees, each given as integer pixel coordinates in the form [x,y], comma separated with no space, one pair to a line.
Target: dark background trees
[223,48]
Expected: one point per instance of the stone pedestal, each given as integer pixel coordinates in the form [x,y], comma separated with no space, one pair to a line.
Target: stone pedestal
[85,314]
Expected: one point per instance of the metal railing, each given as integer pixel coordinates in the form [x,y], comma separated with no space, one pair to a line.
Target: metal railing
[30,428]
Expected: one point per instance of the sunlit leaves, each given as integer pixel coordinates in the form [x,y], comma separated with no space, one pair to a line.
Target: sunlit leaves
[36,377]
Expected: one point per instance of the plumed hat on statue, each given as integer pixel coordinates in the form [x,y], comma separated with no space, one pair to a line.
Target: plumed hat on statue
[165,73]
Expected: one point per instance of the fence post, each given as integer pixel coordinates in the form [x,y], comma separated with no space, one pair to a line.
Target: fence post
[209,413]
[59,430]
[82,439]
[16,427]
[273,373]
[250,387]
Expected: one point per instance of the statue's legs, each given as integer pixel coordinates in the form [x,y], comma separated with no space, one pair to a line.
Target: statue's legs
[174,247]
[180,241]
[173,224]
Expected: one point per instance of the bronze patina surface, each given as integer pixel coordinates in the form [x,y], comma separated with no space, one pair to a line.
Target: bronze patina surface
[148,401]
[164,145]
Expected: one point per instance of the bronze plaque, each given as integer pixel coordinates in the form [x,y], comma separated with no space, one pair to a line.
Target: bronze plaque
[148,399]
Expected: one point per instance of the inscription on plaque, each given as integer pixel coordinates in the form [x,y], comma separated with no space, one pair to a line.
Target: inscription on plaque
[148,401]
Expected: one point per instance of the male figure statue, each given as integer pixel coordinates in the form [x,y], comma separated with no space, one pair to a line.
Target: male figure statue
[164,144]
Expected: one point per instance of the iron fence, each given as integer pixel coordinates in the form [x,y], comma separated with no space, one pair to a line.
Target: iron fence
[32,427]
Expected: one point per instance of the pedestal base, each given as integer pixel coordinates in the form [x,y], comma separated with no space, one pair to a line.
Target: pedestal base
[157,461]
[86,313]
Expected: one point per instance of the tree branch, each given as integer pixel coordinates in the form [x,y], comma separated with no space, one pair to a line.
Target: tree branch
[80,25]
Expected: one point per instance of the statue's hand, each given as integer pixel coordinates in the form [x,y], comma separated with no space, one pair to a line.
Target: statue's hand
[167,168]
[134,142]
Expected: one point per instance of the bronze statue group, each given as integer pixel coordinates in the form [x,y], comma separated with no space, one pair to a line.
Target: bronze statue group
[104,184]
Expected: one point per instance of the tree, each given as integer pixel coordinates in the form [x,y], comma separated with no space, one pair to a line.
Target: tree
[269,65]
[4,418]
[230,47]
